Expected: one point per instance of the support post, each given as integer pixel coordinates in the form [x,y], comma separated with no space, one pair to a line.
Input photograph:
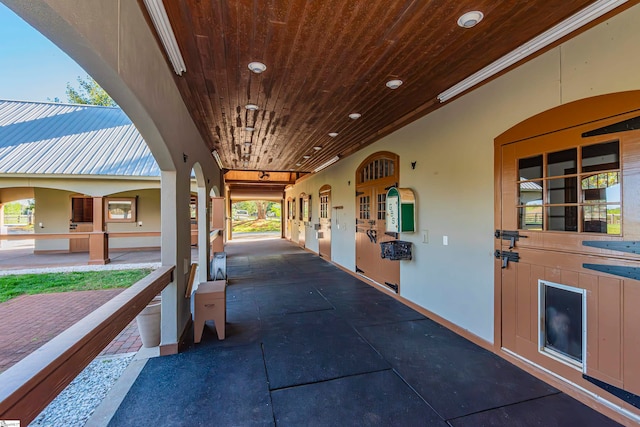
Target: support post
[99,239]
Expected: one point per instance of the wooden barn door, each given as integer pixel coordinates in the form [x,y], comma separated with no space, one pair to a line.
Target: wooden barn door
[568,246]
[324,234]
[302,218]
[374,177]
[81,222]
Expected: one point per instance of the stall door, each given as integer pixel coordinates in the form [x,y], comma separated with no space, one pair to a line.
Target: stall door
[324,234]
[302,221]
[81,222]
[290,215]
[567,250]
[374,177]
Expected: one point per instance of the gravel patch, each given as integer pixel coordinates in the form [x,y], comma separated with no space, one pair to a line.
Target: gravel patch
[151,265]
[74,406]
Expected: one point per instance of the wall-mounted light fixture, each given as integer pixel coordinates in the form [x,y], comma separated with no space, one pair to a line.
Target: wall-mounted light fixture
[163,27]
[586,15]
[327,164]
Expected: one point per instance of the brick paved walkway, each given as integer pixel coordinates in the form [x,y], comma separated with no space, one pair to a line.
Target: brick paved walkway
[29,321]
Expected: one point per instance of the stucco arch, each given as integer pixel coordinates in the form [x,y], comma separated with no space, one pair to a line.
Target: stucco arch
[114,44]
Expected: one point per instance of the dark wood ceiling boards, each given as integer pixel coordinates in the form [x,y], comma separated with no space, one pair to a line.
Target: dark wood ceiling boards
[328,58]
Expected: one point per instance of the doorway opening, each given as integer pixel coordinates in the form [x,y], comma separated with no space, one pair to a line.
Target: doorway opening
[256,219]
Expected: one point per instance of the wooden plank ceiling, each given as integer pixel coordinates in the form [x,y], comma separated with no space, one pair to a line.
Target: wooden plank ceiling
[328,58]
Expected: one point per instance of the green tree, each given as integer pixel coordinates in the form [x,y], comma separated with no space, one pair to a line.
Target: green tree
[13,208]
[275,208]
[89,92]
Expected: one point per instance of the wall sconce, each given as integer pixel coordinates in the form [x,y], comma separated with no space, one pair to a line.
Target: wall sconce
[40,225]
[184,157]
[413,165]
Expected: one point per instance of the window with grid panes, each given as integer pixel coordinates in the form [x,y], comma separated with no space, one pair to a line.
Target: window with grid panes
[324,206]
[576,190]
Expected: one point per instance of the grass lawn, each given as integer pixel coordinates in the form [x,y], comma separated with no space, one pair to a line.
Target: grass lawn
[256,225]
[31,284]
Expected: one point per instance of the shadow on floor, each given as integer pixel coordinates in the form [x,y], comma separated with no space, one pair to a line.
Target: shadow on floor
[308,344]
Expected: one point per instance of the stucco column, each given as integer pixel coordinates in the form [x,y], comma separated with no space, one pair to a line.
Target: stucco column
[98,240]
[3,229]
[176,250]
[204,240]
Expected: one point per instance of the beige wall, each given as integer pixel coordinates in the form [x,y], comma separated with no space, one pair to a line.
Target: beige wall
[53,209]
[147,213]
[91,186]
[453,178]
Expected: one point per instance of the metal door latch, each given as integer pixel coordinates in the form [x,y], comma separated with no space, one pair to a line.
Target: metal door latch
[511,236]
[506,257]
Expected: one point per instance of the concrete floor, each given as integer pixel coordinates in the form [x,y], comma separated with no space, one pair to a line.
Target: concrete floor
[308,344]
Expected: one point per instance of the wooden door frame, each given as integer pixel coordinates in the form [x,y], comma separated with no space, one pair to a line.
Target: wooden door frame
[372,185]
[565,116]
[324,189]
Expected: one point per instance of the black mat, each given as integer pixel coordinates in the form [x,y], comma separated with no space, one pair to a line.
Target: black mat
[375,399]
[221,387]
[368,306]
[455,376]
[286,299]
[316,346]
[557,410]
[328,349]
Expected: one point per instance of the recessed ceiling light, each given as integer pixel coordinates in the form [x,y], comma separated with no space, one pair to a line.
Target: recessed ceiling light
[333,134]
[257,67]
[298,164]
[251,107]
[306,156]
[247,144]
[394,84]
[470,19]
[249,129]
[354,116]
[245,164]
[317,148]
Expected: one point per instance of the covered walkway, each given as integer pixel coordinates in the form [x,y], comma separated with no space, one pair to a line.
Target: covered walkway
[308,344]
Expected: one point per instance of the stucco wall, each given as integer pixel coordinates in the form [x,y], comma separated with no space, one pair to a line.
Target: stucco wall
[453,178]
[147,213]
[52,209]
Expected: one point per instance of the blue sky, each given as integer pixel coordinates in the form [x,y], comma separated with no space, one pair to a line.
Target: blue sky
[31,67]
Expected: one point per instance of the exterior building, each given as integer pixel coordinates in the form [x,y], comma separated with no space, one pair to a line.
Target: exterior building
[66,157]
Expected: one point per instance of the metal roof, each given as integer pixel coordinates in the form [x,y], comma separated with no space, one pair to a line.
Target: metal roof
[71,139]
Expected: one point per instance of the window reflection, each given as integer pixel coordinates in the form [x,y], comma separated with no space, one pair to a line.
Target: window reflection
[578,189]
[530,168]
[601,157]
